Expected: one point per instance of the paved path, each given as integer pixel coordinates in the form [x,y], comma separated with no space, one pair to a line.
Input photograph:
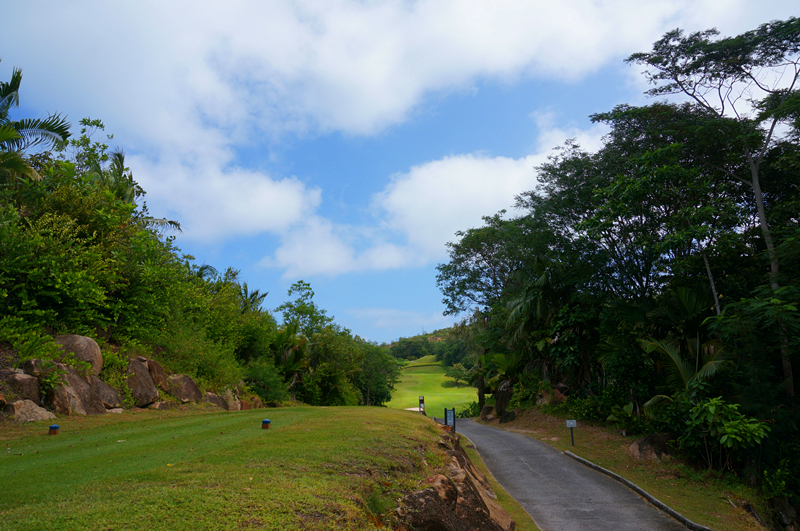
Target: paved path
[557,491]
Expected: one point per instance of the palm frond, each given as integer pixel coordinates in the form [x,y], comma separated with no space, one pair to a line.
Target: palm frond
[53,131]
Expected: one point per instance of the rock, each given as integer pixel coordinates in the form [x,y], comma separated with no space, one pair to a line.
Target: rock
[34,367]
[25,386]
[557,397]
[257,403]
[184,389]
[246,405]
[141,383]
[116,410]
[502,397]
[787,515]
[217,400]
[162,405]
[2,400]
[27,411]
[486,411]
[460,501]
[157,374]
[107,394]
[508,416]
[74,396]
[85,349]
[232,400]
[651,447]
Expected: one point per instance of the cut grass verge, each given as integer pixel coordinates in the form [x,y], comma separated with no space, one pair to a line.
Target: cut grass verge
[701,497]
[316,468]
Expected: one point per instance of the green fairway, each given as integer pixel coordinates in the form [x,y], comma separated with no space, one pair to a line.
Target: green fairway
[425,377]
[316,468]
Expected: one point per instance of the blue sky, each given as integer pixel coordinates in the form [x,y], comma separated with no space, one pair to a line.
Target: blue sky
[338,142]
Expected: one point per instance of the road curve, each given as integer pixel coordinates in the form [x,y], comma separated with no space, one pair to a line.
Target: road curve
[558,492]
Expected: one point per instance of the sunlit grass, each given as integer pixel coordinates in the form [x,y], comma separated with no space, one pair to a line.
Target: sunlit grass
[425,377]
[314,469]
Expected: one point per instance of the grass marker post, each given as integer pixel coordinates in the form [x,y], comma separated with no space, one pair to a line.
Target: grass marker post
[265,424]
[53,430]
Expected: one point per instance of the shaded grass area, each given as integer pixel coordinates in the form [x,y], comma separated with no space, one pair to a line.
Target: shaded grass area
[316,468]
[425,377]
[701,497]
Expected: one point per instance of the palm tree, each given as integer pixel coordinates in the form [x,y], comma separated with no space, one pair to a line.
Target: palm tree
[17,136]
[51,131]
[251,300]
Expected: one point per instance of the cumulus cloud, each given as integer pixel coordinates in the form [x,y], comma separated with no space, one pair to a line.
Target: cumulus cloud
[185,83]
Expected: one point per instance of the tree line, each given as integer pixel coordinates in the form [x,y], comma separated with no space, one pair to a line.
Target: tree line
[654,282]
[81,254]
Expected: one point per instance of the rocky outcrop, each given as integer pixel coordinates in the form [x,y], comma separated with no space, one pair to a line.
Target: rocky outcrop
[217,400]
[461,500]
[141,383]
[84,348]
[25,386]
[651,447]
[232,400]
[486,411]
[157,374]
[107,394]
[184,389]
[74,396]
[27,411]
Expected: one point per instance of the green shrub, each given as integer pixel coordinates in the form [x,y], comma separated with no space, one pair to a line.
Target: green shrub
[265,380]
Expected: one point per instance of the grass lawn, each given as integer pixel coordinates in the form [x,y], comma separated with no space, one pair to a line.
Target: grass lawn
[316,468]
[700,497]
[425,377]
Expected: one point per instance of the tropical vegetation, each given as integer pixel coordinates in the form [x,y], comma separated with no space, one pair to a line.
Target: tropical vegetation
[655,282]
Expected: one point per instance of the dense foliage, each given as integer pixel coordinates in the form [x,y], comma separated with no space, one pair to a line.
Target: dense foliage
[80,254]
[655,282]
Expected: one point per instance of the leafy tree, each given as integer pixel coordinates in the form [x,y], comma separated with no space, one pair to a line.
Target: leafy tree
[457,372]
[303,310]
[758,70]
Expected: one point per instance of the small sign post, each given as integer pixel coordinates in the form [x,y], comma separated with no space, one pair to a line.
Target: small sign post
[422,404]
[450,418]
[572,424]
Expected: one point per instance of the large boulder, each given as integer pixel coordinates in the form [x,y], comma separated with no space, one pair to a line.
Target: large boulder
[74,395]
[184,389]
[107,394]
[27,411]
[84,348]
[232,400]
[486,411]
[25,386]
[651,447]
[141,383]
[157,374]
[217,400]
[461,500]
[502,397]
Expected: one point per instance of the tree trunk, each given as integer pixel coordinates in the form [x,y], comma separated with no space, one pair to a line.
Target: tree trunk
[788,377]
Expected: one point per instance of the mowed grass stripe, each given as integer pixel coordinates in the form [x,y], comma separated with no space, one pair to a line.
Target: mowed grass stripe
[316,468]
[425,377]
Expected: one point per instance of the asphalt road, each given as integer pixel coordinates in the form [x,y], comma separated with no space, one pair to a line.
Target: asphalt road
[557,491]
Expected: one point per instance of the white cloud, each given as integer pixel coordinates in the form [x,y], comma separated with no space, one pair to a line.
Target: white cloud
[185,83]
[213,201]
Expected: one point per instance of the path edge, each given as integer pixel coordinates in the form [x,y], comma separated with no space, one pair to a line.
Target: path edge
[643,493]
